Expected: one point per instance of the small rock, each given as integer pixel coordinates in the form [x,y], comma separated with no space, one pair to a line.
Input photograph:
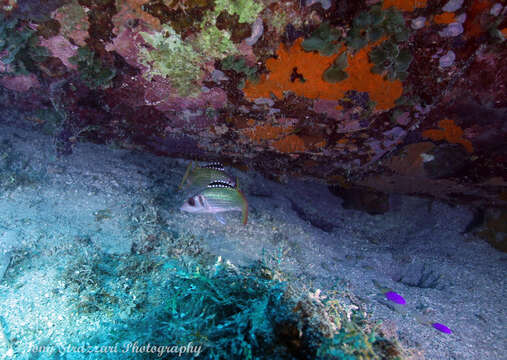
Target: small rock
[326,4]
[257,31]
[447,60]
[218,76]
[244,109]
[453,5]
[404,118]
[427,157]
[264,101]
[452,30]
[461,18]
[496,9]
[418,23]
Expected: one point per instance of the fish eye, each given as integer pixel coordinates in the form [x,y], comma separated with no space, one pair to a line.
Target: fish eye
[191,202]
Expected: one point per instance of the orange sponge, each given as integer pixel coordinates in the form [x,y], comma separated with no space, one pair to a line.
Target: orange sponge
[310,66]
[449,132]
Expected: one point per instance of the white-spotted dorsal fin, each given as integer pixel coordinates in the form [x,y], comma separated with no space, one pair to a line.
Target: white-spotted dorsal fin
[220,183]
[215,165]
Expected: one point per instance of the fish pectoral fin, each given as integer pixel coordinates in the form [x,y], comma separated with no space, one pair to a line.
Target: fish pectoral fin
[221,219]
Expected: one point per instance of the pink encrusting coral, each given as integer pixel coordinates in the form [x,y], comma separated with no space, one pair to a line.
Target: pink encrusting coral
[61,48]
[20,83]
[127,43]
[159,92]
[73,22]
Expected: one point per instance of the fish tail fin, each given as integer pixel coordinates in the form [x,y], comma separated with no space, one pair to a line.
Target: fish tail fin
[244,206]
[187,172]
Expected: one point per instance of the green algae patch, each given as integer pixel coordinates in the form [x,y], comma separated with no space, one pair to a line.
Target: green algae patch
[180,61]
[174,59]
[74,22]
[213,42]
[247,10]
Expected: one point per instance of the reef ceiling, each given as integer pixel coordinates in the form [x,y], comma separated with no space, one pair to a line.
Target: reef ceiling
[396,96]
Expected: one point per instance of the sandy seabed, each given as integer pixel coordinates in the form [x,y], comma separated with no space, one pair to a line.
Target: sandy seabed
[105,201]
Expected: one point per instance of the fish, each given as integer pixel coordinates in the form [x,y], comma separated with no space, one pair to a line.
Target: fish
[426,321]
[198,178]
[216,198]
[442,328]
[389,293]
[395,297]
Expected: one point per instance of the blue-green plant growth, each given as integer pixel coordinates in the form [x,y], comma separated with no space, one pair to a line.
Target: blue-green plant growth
[240,66]
[372,25]
[323,39]
[230,312]
[92,72]
[352,342]
[336,72]
[494,32]
[19,49]
[225,311]
[389,59]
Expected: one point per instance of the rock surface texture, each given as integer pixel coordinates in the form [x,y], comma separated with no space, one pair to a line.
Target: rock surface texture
[391,96]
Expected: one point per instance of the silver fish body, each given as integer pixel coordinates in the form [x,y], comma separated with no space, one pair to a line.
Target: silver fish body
[216,198]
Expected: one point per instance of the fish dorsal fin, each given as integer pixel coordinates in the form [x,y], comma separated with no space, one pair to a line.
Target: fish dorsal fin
[220,184]
[187,172]
[215,165]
